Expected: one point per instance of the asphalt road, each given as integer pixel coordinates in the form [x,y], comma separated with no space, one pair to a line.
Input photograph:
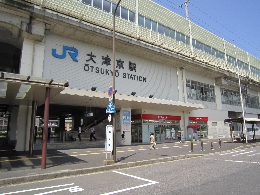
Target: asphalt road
[230,172]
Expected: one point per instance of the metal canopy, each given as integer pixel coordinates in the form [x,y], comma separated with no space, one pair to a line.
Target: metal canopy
[240,120]
[78,97]
[16,89]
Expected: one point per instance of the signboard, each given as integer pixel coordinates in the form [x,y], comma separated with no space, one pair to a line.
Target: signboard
[109,138]
[126,120]
[111,108]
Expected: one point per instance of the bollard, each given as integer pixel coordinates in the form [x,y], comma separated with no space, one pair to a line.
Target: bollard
[201,143]
[219,143]
[211,145]
[191,146]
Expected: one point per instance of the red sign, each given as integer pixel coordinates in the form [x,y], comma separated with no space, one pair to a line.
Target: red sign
[198,118]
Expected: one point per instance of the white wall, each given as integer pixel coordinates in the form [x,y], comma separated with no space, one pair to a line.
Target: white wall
[153,78]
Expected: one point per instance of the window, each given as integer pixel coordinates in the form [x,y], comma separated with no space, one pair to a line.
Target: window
[161,29]
[148,23]
[131,16]
[97,4]
[187,40]
[87,2]
[183,38]
[154,26]
[107,6]
[178,36]
[172,34]
[124,13]
[141,20]
[166,31]
[117,11]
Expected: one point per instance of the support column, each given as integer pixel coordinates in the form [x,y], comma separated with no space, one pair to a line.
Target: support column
[62,128]
[32,129]
[45,129]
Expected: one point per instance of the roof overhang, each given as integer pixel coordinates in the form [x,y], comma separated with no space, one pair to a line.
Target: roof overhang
[241,120]
[17,89]
[72,96]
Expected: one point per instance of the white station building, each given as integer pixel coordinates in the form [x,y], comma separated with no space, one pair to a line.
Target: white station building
[172,77]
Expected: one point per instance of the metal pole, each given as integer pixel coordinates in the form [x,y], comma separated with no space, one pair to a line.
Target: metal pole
[114,82]
[45,128]
[244,130]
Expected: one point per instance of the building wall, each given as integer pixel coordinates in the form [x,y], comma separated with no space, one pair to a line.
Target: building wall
[147,78]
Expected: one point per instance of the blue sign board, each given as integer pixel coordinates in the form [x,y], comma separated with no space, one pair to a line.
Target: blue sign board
[111,108]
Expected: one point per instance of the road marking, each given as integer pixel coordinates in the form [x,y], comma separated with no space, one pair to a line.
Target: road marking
[150,182]
[141,149]
[235,161]
[165,147]
[71,189]
[130,150]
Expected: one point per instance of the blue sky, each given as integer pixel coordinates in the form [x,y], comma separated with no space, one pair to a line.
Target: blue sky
[237,21]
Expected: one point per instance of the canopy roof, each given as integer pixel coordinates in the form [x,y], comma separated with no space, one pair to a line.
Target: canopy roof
[241,120]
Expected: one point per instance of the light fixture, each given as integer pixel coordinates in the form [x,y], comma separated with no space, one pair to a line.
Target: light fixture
[150,96]
[133,93]
[93,88]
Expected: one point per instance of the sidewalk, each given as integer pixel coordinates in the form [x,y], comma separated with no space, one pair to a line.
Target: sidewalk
[21,168]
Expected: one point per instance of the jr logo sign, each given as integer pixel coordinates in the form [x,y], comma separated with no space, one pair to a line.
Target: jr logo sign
[73,52]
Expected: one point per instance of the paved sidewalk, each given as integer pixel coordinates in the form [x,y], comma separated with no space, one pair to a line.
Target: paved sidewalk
[21,168]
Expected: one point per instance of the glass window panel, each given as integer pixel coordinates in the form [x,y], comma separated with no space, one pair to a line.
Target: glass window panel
[178,36]
[107,6]
[87,2]
[187,40]
[207,49]
[124,13]
[166,31]
[183,38]
[193,42]
[117,11]
[97,4]
[131,16]
[172,34]
[161,29]
[141,20]
[154,26]
[147,23]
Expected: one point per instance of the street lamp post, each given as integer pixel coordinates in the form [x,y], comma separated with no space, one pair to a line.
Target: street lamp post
[114,82]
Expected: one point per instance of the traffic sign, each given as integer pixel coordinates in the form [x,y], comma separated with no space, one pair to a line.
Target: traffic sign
[111,108]
[110,91]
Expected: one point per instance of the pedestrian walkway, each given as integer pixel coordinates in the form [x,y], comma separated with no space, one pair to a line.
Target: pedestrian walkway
[21,168]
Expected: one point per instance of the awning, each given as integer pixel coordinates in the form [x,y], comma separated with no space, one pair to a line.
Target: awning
[240,120]
[79,97]
[17,89]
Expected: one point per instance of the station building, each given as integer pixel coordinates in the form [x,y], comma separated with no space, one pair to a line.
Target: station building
[172,77]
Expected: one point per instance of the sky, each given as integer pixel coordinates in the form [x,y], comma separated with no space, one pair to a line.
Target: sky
[237,21]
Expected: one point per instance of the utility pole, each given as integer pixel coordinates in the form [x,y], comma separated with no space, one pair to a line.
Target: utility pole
[188,18]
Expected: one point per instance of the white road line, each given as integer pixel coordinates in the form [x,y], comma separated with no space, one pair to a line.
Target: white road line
[150,182]
[36,189]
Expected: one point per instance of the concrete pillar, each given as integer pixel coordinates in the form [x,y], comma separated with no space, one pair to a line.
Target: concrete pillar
[32,58]
[27,57]
[218,97]
[23,127]
[13,123]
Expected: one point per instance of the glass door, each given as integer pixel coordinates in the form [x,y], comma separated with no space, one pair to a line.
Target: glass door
[136,133]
